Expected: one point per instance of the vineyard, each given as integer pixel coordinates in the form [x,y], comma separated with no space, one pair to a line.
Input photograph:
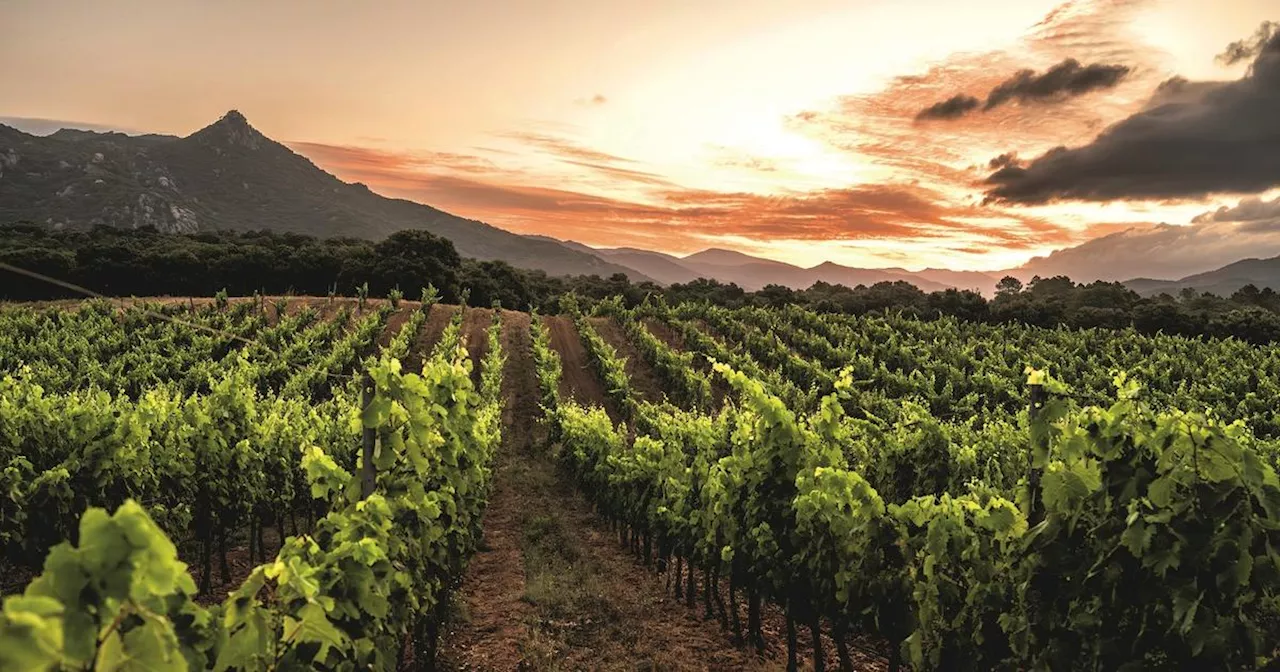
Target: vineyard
[258,483]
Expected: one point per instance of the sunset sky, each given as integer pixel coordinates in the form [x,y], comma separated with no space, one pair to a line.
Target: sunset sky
[791,129]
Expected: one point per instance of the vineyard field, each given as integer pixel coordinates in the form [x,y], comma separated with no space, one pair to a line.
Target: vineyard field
[382,483]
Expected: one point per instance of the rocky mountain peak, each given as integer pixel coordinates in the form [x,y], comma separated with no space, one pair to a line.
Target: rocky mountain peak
[232,129]
[234,118]
[228,175]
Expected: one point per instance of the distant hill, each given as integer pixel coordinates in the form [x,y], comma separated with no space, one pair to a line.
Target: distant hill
[753,273]
[1161,251]
[852,277]
[1261,273]
[661,267]
[978,281]
[718,258]
[230,176]
[1151,286]
[750,273]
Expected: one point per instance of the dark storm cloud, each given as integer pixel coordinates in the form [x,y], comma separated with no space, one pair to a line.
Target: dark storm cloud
[1165,251]
[1006,159]
[1251,46]
[1065,80]
[1192,140]
[1253,215]
[952,108]
[1247,210]
[1261,226]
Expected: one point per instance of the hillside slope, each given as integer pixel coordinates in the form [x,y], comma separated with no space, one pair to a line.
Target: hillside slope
[1261,273]
[753,273]
[230,176]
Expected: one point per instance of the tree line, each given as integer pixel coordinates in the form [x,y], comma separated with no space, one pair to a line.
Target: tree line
[147,262]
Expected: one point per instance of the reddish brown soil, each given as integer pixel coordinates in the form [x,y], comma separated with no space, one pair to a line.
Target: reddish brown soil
[437,320]
[644,381]
[237,561]
[395,322]
[579,381]
[668,335]
[493,588]
[628,620]
[644,627]
[475,327]
[664,333]
[520,388]
[631,623]
[297,304]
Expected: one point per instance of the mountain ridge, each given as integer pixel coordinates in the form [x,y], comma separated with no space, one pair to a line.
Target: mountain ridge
[228,175]
[1262,273]
[754,273]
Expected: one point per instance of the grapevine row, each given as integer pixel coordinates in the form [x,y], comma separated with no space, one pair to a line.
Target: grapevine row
[963,577]
[371,572]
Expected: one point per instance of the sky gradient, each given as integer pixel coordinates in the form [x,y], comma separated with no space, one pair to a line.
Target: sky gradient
[791,130]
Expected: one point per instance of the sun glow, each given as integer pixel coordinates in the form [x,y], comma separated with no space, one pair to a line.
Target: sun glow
[783,129]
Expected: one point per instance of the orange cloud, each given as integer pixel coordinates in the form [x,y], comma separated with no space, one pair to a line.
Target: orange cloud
[882,125]
[351,160]
[727,157]
[623,174]
[562,147]
[679,219]
[878,128]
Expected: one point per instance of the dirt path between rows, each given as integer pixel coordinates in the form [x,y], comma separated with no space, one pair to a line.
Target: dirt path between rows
[395,322]
[475,326]
[579,381]
[550,588]
[673,338]
[437,320]
[664,333]
[644,379]
[490,616]
[595,607]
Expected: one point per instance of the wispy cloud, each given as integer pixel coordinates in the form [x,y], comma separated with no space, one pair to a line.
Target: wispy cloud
[561,147]
[881,127]
[354,160]
[592,101]
[678,219]
[623,174]
[1060,82]
[727,157]
[610,199]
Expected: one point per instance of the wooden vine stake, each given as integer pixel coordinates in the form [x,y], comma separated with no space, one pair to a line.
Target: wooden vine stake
[1036,394]
[370,438]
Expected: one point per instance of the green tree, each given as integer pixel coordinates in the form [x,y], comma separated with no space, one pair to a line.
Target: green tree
[1008,286]
[416,259]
